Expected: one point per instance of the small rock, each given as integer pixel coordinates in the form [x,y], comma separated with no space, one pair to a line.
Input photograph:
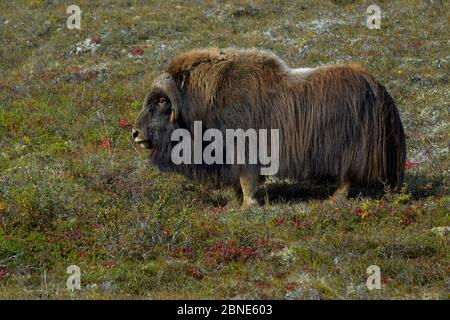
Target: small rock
[294,294]
[86,46]
[441,231]
[107,285]
[358,292]
[92,286]
[315,294]
[420,80]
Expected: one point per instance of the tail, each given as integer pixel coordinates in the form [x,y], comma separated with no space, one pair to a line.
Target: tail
[388,154]
[394,146]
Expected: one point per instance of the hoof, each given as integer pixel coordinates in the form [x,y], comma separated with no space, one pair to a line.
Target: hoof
[248,203]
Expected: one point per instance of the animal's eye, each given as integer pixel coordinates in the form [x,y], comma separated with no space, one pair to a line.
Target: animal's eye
[163,104]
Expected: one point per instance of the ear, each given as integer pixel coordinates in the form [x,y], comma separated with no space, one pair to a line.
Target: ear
[173,117]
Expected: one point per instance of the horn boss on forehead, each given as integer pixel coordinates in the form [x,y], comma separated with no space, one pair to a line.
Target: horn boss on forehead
[166,84]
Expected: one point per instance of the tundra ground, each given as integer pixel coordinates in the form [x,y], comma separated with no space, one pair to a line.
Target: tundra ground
[74,190]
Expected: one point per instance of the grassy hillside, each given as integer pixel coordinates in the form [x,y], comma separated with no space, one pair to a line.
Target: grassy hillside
[75,190]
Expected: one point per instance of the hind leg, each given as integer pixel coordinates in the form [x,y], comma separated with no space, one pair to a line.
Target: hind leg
[249,184]
[342,192]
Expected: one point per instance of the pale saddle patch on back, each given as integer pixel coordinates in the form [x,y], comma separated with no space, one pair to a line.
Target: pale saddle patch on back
[302,73]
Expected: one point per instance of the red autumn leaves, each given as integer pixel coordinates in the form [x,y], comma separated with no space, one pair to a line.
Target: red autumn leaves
[226,252]
[195,272]
[123,124]
[411,164]
[3,272]
[136,51]
[80,74]
[96,40]
[230,251]
[417,136]
[106,143]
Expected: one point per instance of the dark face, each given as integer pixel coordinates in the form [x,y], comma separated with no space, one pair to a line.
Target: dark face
[155,122]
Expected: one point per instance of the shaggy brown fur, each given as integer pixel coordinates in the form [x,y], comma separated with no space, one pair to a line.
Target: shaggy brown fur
[335,121]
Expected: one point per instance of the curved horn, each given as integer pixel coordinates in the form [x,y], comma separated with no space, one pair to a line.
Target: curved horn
[167,84]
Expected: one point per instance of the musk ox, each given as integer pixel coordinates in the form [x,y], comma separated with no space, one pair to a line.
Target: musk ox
[335,121]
